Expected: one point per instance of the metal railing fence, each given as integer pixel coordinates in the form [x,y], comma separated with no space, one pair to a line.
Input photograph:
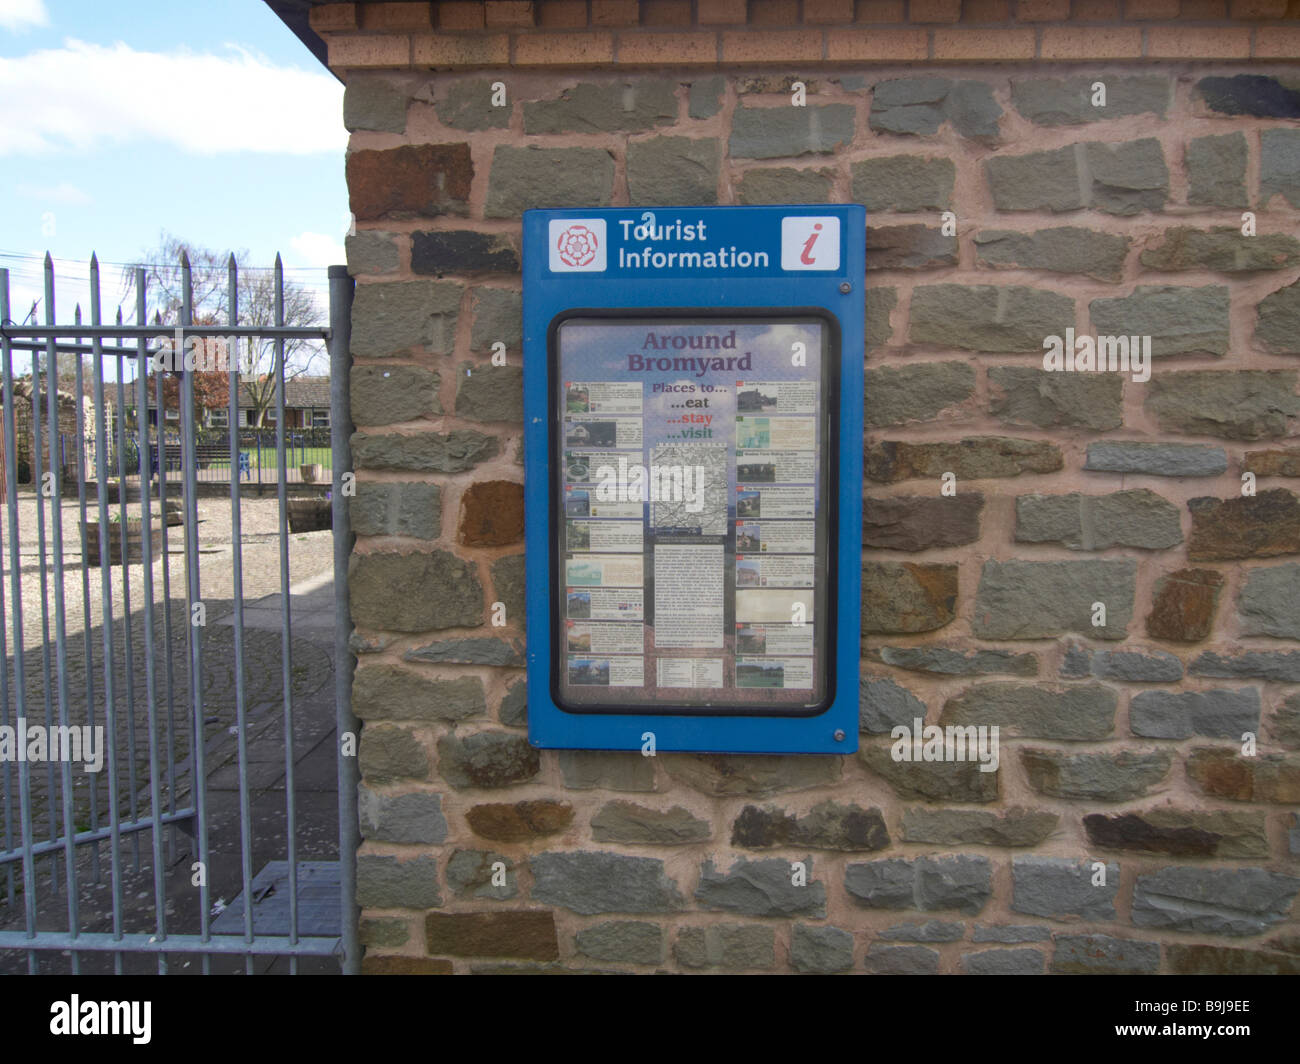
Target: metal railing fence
[125,661]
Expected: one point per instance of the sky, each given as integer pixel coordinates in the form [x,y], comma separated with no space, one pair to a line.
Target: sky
[207,119]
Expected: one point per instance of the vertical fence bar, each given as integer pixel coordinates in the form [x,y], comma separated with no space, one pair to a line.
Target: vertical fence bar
[6,766]
[128,654]
[87,645]
[106,599]
[38,482]
[16,596]
[286,658]
[237,574]
[60,620]
[150,678]
[161,436]
[194,598]
[341,288]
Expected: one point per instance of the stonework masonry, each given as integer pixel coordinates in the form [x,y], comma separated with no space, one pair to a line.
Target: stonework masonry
[1128,828]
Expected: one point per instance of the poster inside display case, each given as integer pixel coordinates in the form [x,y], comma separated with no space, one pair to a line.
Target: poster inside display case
[693,511]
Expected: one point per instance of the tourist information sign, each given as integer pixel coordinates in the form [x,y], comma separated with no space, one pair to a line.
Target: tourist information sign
[693,398]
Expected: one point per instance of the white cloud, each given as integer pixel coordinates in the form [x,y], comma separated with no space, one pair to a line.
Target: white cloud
[18,15]
[83,96]
[65,192]
[316,249]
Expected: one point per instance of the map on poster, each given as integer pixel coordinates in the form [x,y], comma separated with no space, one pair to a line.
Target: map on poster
[692,512]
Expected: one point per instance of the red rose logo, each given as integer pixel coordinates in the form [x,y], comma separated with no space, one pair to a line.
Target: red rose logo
[577,246]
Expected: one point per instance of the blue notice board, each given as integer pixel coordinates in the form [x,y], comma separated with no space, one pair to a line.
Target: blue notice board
[693,407]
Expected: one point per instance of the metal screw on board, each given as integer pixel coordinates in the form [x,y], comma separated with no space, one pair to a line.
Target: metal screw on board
[839,735]
[845,287]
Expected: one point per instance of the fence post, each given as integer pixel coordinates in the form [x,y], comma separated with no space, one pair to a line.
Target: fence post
[340,344]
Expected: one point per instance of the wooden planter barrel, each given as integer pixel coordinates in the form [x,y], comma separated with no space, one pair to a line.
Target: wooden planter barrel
[310,515]
[312,474]
[134,542]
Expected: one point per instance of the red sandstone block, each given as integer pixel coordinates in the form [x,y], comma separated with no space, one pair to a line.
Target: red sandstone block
[1094,42]
[459,14]
[502,13]
[333,18]
[563,49]
[389,50]
[722,12]
[397,964]
[441,49]
[1042,10]
[877,44]
[773,12]
[984,44]
[985,10]
[397,18]
[1203,9]
[615,12]
[1277,42]
[1096,10]
[667,48]
[562,14]
[934,11]
[666,13]
[1259,8]
[772,46]
[1191,42]
[878,11]
[827,11]
[1145,10]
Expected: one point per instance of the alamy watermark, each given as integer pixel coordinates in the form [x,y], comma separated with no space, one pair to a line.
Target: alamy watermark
[77,1017]
[36,742]
[956,742]
[1099,354]
[632,482]
[205,354]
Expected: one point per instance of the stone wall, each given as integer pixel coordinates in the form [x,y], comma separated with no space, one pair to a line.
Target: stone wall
[1129,828]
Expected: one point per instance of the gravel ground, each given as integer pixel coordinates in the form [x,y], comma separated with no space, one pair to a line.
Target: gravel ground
[310,555]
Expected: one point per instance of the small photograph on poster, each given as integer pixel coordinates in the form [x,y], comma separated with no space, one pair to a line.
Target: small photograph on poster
[577,503]
[621,433]
[759,673]
[592,468]
[786,673]
[776,537]
[578,605]
[586,638]
[781,639]
[689,672]
[577,398]
[774,502]
[748,573]
[777,606]
[605,537]
[776,397]
[602,397]
[776,433]
[780,570]
[599,604]
[608,570]
[591,501]
[776,467]
[606,671]
[751,639]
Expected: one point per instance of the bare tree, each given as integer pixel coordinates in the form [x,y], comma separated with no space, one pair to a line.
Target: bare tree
[210,301]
